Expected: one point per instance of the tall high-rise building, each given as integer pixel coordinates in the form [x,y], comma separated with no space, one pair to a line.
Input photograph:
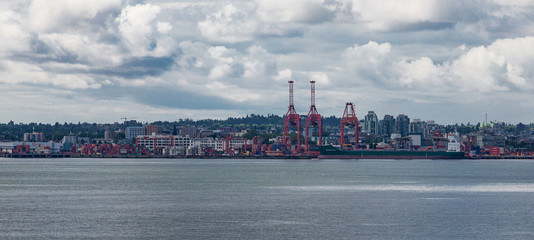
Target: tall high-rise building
[402,125]
[371,123]
[387,125]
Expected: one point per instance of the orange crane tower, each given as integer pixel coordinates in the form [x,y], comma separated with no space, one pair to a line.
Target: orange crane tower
[291,119]
[313,119]
[349,119]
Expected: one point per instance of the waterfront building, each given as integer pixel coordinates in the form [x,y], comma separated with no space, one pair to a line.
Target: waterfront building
[32,147]
[174,145]
[110,135]
[490,140]
[236,143]
[133,132]
[189,131]
[174,151]
[151,129]
[34,137]
[182,141]
[69,139]
[152,142]
[207,133]
[74,140]
[207,142]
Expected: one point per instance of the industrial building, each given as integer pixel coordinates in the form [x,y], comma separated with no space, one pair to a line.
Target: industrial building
[30,147]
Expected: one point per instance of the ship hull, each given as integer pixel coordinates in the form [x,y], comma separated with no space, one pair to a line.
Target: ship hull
[329,152]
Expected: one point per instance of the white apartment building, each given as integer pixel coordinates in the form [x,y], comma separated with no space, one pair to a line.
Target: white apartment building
[176,144]
[212,143]
[155,141]
[183,141]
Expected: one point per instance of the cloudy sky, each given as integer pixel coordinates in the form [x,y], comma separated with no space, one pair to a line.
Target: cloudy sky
[100,60]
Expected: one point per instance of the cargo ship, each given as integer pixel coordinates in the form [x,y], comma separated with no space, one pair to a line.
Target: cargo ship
[331,152]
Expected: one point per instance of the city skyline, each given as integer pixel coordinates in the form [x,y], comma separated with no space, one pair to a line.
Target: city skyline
[451,62]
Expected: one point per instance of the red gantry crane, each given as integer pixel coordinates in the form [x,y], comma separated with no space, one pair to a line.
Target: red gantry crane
[313,119]
[349,119]
[291,119]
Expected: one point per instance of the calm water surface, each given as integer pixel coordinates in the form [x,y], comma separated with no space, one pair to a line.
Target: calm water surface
[265,199]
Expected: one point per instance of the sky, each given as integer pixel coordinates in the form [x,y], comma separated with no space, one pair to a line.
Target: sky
[157,60]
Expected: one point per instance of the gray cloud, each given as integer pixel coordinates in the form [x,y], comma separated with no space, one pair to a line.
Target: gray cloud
[183,100]
[200,57]
[425,25]
[139,67]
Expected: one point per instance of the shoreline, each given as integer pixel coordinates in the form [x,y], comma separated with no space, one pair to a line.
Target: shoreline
[147,157]
[504,157]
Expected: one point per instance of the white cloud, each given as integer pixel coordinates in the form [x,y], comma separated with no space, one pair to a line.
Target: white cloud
[54,15]
[320,78]
[299,11]
[508,8]
[478,69]
[223,65]
[258,63]
[517,51]
[384,15]
[194,55]
[84,48]
[518,3]
[245,51]
[504,65]
[368,62]
[12,34]
[229,24]
[235,22]
[283,75]
[164,27]
[500,66]
[142,82]
[136,27]
[231,92]
[419,73]
[73,81]
[206,63]
[372,52]
[22,73]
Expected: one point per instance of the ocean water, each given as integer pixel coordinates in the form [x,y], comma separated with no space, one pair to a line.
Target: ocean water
[265,199]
